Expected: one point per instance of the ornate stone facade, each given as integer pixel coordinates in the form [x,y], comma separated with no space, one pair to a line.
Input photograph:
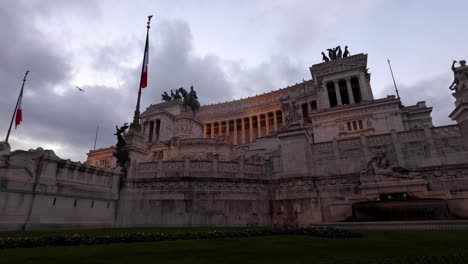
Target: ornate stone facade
[301,155]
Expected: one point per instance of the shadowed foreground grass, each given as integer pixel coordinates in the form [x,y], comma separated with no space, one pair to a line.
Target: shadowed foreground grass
[274,249]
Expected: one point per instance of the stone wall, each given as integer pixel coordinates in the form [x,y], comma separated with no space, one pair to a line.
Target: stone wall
[196,193]
[40,191]
[327,191]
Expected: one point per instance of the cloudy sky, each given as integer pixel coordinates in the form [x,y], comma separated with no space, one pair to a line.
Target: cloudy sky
[226,49]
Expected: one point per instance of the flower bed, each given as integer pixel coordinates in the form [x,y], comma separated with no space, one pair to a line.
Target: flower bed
[75,240]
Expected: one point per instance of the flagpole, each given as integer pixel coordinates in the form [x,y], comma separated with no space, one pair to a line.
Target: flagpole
[95,138]
[16,107]
[136,118]
[394,83]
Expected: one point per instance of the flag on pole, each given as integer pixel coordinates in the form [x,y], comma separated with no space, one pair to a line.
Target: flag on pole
[19,110]
[144,70]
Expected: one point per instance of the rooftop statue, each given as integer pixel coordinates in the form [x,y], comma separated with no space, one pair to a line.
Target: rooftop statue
[332,54]
[346,52]
[190,99]
[166,97]
[339,54]
[324,57]
[460,82]
[176,95]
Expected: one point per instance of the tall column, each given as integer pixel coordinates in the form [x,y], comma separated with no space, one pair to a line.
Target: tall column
[325,101]
[243,130]
[250,128]
[227,128]
[275,120]
[337,91]
[220,129]
[212,129]
[267,123]
[235,131]
[366,92]
[204,131]
[259,126]
[350,90]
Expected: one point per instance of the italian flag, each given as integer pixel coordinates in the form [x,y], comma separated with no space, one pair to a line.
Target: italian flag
[19,111]
[144,70]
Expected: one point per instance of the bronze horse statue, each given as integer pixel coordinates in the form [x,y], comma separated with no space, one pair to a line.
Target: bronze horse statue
[190,100]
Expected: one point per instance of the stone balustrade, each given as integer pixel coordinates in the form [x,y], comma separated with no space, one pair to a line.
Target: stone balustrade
[414,148]
[83,174]
[201,168]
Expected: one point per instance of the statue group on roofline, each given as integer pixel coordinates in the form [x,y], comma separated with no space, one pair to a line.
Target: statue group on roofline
[335,53]
[190,98]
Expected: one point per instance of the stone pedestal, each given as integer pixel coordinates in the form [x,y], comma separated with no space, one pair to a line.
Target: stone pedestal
[137,149]
[188,126]
[295,151]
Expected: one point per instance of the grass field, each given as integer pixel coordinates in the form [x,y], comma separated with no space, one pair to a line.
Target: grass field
[274,249]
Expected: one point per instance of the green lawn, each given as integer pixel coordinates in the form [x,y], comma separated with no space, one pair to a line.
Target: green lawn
[274,249]
[108,231]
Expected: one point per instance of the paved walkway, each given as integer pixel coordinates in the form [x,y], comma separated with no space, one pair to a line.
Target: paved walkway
[403,225]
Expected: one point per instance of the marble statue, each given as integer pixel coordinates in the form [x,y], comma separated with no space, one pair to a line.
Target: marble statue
[460,82]
[380,169]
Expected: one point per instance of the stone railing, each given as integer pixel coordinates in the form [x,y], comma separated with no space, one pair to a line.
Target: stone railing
[200,168]
[85,175]
[422,147]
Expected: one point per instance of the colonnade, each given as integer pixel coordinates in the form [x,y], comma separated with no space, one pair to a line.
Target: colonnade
[344,91]
[244,129]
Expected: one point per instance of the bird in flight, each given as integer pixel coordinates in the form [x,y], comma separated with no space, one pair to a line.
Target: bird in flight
[79,89]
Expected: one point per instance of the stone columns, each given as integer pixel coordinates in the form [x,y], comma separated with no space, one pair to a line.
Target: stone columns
[220,129]
[267,123]
[337,92]
[259,126]
[251,129]
[350,91]
[212,130]
[243,131]
[235,131]
[275,120]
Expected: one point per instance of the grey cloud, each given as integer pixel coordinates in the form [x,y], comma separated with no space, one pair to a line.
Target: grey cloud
[70,119]
[436,94]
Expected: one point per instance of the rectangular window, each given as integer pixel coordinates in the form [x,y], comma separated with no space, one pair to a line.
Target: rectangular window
[354,125]
[313,105]
[349,126]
